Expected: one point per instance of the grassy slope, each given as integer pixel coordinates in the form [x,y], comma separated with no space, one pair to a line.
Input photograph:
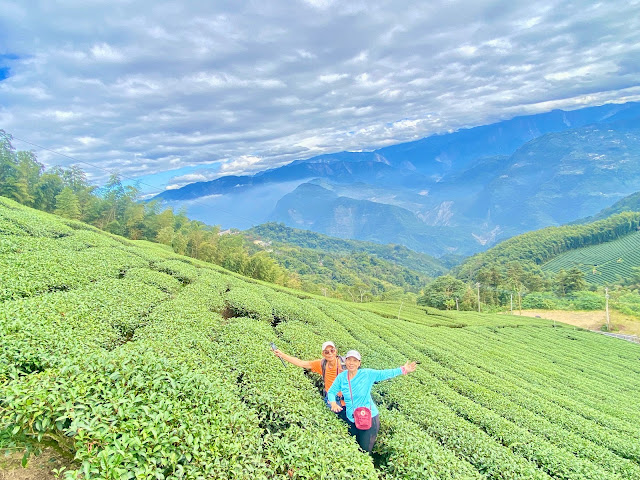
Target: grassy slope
[137,360]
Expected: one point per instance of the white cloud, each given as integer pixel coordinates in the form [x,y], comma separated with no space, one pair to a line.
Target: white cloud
[182,180]
[467,50]
[320,4]
[62,116]
[190,178]
[583,71]
[250,86]
[333,77]
[89,141]
[106,52]
[241,164]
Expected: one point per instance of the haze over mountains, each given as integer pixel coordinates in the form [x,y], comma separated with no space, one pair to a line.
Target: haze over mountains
[453,193]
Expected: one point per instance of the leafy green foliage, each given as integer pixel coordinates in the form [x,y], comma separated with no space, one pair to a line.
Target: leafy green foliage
[444,293]
[154,365]
[567,282]
[357,276]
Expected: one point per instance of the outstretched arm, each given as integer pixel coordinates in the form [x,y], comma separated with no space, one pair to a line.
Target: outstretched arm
[293,360]
[379,375]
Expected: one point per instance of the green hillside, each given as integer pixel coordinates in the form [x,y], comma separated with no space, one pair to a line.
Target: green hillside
[145,364]
[533,249]
[604,264]
[356,276]
[344,268]
[396,254]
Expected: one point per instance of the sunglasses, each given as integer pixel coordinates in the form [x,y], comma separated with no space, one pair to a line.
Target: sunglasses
[329,350]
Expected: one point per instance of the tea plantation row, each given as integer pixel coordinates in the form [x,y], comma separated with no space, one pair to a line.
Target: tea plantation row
[143,364]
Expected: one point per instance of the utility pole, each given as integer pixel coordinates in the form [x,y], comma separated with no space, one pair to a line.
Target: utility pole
[511,303]
[520,299]
[606,302]
[478,287]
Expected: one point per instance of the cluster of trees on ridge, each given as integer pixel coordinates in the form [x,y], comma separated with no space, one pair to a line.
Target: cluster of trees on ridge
[355,276]
[352,269]
[397,254]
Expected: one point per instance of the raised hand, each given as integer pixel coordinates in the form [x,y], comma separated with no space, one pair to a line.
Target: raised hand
[410,366]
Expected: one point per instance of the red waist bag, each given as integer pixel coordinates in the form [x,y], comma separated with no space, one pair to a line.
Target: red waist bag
[361,415]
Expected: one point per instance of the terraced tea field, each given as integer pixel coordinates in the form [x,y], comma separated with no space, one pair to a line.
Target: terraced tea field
[603,264]
[143,364]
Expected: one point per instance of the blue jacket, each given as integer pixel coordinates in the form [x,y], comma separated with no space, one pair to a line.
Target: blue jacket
[361,386]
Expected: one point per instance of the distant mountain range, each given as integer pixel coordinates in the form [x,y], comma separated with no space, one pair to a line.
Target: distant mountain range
[456,193]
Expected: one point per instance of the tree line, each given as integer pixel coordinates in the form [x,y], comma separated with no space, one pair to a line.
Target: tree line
[493,288]
[115,208]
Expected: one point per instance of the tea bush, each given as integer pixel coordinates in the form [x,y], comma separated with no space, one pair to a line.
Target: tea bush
[144,364]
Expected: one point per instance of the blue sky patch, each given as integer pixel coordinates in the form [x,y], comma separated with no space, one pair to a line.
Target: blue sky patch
[5,71]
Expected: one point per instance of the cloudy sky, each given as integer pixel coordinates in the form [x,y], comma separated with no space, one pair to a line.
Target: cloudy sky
[175,92]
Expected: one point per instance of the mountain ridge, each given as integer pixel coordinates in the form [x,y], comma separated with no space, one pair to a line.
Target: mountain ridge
[475,186]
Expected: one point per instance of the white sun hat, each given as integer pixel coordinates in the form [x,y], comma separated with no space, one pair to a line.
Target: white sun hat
[354,354]
[328,344]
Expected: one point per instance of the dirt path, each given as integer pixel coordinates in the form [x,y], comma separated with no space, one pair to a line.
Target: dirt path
[38,468]
[590,320]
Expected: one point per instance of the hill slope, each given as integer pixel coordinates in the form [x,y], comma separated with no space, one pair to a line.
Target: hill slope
[143,363]
[536,248]
[630,203]
[603,264]
[344,268]
[397,254]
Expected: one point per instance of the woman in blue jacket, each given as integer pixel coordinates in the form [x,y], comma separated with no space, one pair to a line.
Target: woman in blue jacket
[355,383]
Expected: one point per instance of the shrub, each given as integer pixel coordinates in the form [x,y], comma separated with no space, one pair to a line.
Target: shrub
[543,301]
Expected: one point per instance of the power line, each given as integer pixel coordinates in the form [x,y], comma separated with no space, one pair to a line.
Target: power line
[159,189]
[86,163]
